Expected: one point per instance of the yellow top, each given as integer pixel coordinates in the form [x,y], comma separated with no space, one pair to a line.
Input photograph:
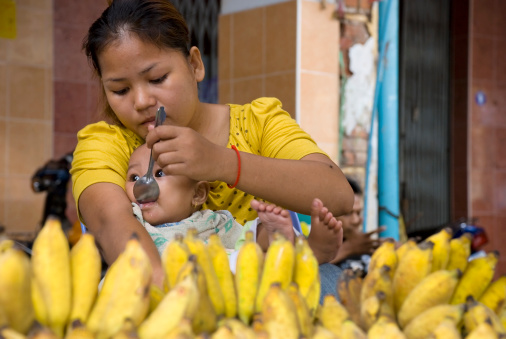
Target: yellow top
[261,127]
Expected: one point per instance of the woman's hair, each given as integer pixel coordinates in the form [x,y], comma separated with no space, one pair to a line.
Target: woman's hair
[355,186]
[153,21]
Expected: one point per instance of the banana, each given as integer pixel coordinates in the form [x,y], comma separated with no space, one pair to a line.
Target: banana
[494,296]
[349,285]
[441,249]
[278,267]
[223,332]
[502,316]
[248,272]
[205,318]
[435,289]
[180,302]
[85,272]
[306,274]
[485,330]
[332,314]
[125,292]
[378,280]
[385,254]
[303,316]
[385,328]
[321,332]
[460,250]
[6,244]
[4,321]
[239,329]
[127,331]
[352,331]
[279,319]
[447,329]
[476,278]
[413,266]
[182,331]
[374,308]
[404,247]
[9,333]
[77,330]
[225,277]
[156,295]
[39,331]
[425,323]
[15,287]
[477,313]
[51,280]
[174,256]
[199,249]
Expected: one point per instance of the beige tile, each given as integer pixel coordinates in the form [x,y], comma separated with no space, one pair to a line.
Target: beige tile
[49,95]
[3,90]
[248,43]
[34,42]
[29,146]
[281,36]
[23,208]
[46,5]
[28,93]
[224,92]
[2,200]
[4,49]
[282,86]
[319,39]
[224,47]
[3,147]
[319,110]
[245,91]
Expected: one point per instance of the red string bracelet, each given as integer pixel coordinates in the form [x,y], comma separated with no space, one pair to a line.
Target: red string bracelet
[238,169]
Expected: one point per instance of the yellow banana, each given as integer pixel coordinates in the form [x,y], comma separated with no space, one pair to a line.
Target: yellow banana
[385,328]
[225,277]
[199,249]
[51,281]
[85,271]
[174,256]
[306,274]
[77,330]
[6,244]
[435,289]
[425,323]
[125,292]
[223,332]
[441,249]
[180,302]
[413,266]
[9,333]
[127,331]
[460,250]
[404,247]
[374,308]
[279,318]
[375,281]
[478,313]
[278,267]
[332,314]
[4,321]
[350,330]
[205,318]
[248,272]
[156,295]
[447,329]
[42,332]
[182,331]
[494,296]
[303,316]
[385,254]
[476,278]
[484,330]
[239,329]
[15,286]
[349,285]
[321,332]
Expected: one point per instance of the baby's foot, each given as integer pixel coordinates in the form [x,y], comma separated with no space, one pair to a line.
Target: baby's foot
[274,219]
[326,235]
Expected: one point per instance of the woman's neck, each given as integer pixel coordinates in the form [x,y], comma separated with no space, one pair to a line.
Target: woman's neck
[213,122]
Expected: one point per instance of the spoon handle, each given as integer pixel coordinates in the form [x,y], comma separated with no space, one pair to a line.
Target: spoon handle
[159,119]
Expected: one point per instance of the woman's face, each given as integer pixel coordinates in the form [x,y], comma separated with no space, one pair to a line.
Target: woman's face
[176,192]
[139,77]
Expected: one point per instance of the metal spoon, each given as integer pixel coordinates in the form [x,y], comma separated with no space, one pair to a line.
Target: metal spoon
[146,188]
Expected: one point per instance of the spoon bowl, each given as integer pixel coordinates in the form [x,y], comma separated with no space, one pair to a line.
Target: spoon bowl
[146,188]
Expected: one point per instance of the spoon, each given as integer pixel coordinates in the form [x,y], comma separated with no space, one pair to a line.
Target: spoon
[146,188]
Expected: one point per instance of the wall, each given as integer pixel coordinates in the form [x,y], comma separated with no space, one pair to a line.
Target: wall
[487,122]
[26,113]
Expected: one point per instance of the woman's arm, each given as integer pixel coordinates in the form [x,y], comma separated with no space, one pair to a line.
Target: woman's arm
[107,213]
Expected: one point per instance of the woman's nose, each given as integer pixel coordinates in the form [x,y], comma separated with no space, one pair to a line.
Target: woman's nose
[143,98]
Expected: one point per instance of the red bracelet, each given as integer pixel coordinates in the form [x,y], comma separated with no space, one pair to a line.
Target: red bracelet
[238,169]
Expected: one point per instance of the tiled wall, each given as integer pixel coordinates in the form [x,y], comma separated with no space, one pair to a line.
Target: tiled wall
[488,121]
[26,113]
[257,57]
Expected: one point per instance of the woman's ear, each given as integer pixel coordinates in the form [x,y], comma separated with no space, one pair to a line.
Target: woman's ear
[197,64]
[201,193]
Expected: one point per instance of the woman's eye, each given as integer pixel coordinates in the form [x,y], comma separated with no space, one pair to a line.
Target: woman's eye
[159,80]
[159,173]
[133,177]
[121,91]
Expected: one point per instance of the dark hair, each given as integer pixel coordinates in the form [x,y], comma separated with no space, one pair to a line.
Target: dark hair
[153,21]
[355,186]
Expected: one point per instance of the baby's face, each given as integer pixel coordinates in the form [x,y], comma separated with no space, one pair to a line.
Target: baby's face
[352,222]
[176,192]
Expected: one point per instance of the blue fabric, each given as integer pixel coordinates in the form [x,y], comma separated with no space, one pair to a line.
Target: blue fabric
[295,221]
[329,274]
[83,228]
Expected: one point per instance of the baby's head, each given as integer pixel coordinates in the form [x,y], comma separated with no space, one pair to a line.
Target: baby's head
[179,196]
